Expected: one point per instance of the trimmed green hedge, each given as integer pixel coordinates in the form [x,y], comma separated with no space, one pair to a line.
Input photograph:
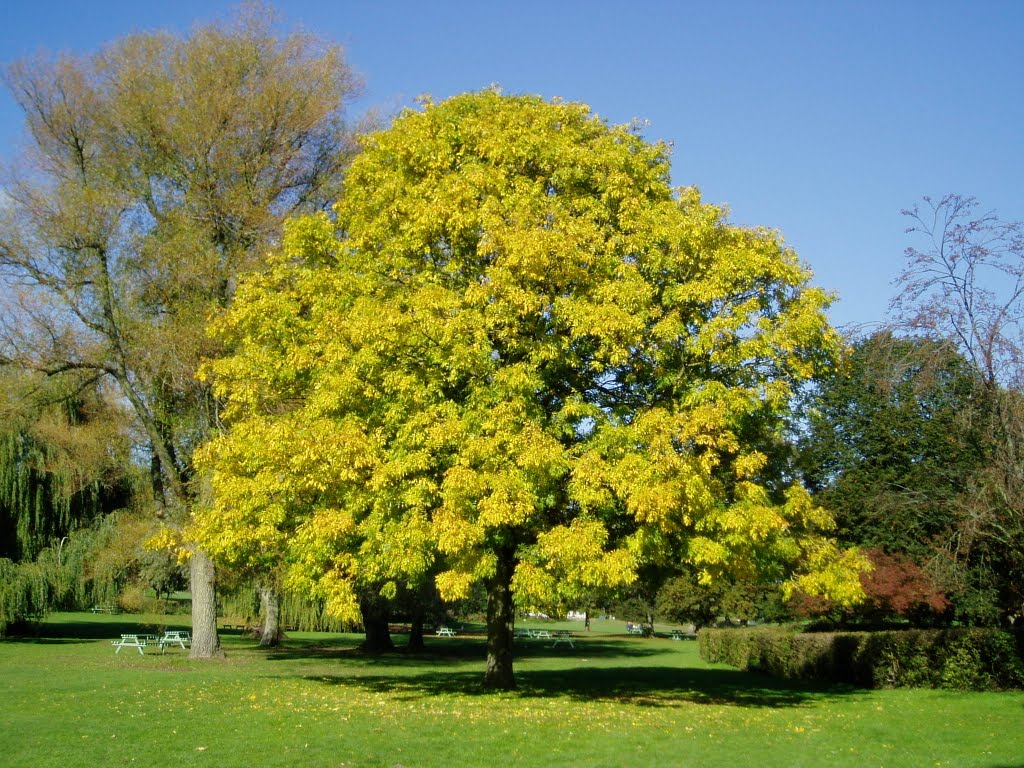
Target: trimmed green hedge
[961,659]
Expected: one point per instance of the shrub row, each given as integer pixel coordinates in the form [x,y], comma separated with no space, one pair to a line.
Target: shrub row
[961,659]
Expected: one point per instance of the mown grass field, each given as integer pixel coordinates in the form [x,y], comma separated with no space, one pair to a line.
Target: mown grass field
[67,700]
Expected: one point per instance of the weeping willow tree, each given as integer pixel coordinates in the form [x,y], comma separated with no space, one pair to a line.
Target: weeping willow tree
[24,592]
[64,461]
[241,599]
[92,565]
[42,497]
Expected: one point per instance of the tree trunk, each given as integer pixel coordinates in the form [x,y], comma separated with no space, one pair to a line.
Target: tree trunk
[270,605]
[500,624]
[205,641]
[416,627]
[376,615]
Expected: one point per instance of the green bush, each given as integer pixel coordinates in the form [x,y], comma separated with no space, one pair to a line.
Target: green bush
[961,659]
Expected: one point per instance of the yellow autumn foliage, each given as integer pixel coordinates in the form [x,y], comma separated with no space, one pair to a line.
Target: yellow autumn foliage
[515,339]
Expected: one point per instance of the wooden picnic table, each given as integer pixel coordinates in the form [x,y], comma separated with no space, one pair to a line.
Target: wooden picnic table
[563,636]
[133,641]
[445,631]
[559,636]
[174,637]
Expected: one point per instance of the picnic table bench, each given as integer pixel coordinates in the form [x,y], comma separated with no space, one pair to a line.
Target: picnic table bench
[104,609]
[445,631]
[174,637]
[563,636]
[534,633]
[634,629]
[133,641]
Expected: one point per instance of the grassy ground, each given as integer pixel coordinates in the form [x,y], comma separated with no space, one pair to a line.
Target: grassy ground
[67,700]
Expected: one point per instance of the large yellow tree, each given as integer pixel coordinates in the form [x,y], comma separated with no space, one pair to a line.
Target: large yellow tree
[516,356]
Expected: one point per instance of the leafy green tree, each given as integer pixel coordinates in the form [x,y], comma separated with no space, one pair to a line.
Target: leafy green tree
[519,353]
[157,170]
[685,599]
[891,442]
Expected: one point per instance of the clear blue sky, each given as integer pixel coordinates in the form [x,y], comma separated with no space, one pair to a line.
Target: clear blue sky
[821,119]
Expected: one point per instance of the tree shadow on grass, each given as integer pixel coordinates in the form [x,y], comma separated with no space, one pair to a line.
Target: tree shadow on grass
[71,631]
[596,670]
[456,649]
[656,686]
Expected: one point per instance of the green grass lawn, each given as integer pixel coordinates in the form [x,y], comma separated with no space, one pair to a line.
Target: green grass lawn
[68,700]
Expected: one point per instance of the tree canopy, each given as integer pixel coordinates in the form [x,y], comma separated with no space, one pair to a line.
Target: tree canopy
[891,440]
[519,353]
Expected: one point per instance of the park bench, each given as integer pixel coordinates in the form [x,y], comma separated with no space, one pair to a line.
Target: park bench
[634,629]
[133,641]
[445,631]
[104,609]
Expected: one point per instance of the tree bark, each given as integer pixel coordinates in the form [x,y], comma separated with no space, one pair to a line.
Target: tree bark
[500,624]
[270,604]
[376,615]
[416,642]
[205,641]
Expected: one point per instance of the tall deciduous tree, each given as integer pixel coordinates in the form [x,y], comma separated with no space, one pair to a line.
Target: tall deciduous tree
[517,350]
[964,281]
[157,170]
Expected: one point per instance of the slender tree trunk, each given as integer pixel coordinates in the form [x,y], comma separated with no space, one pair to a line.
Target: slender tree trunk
[270,605]
[419,612]
[416,642]
[500,624]
[205,641]
[376,615]
[156,480]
